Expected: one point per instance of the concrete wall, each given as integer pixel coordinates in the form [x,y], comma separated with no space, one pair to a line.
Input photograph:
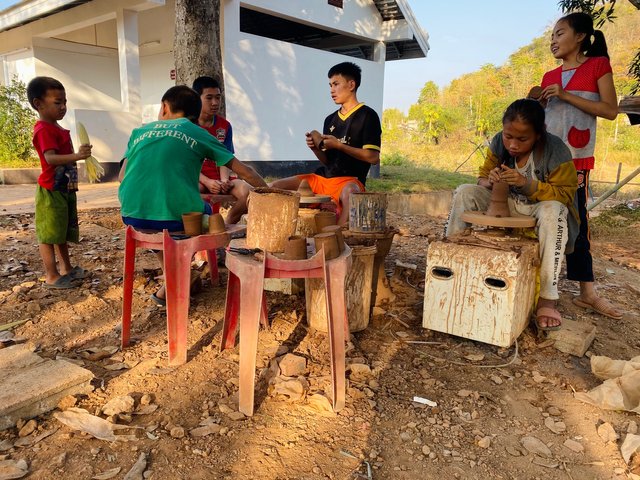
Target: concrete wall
[277,91]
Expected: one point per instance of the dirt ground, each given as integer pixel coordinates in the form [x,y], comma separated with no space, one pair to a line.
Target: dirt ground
[474,432]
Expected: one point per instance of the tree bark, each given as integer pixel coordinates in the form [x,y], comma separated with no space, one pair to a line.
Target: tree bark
[196,44]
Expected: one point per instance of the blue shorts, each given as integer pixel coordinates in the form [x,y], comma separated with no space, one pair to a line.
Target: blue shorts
[159,225]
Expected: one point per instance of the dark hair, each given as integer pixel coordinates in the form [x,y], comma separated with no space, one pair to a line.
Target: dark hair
[200,83]
[528,111]
[581,22]
[185,100]
[348,70]
[38,87]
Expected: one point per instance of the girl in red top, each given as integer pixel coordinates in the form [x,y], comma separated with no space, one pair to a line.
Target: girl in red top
[578,92]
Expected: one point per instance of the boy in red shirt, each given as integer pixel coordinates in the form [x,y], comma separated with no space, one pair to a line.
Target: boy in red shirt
[56,204]
[214,179]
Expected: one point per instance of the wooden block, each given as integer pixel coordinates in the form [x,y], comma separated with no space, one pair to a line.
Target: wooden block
[288,286]
[574,337]
[481,292]
[31,385]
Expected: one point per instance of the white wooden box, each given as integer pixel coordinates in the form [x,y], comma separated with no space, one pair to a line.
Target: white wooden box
[483,293]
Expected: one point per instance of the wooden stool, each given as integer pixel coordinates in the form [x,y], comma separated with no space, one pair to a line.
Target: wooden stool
[246,303]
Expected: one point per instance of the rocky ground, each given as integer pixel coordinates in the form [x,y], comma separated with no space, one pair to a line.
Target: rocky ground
[498,414]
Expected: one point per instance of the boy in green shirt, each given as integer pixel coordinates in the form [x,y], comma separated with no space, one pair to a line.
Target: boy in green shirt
[162,166]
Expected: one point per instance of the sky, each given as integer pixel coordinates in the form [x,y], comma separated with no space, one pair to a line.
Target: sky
[464,35]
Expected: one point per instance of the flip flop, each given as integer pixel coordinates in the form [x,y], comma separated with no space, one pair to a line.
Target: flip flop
[79,273]
[601,306]
[62,283]
[548,312]
[158,301]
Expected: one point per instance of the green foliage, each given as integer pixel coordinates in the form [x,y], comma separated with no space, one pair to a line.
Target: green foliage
[394,158]
[445,126]
[16,126]
[416,179]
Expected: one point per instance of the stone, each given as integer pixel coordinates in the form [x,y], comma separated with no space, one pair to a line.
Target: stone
[31,385]
[574,337]
[13,469]
[426,450]
[28,428]
[292,365]
[205,430]
[236,416]
[607,433]
[555,427]
[535,446]
[484,442]
[496,379]
[67,402]
[117,405]
[177,432]
[573,445]
[146,399]
[555,411]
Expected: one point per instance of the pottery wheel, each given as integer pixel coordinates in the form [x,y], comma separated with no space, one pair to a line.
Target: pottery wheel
[480,218]
[307,199]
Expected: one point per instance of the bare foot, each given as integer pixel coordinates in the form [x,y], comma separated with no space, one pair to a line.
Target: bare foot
[549,318]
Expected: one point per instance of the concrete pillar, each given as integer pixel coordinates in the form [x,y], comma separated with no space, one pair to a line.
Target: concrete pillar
[379,56]
[129,61]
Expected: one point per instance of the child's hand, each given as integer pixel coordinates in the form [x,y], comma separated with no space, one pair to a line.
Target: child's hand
[84,151]
[214,186]
[554,90]
[494,175]
[225,187]
[314,138]
[512,177]
[330,142]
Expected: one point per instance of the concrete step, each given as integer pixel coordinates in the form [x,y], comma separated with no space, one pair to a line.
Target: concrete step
[31,385]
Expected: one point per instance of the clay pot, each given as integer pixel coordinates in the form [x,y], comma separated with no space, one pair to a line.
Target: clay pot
[337,230]
[216,223]
[498,206]
[192,223]
[324,219]
[535,93]
[316,136]
[295,248]
[305,189]
[329,242]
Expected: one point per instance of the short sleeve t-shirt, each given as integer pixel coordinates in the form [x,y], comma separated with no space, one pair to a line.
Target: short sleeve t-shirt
[576,128]
[220,129]
[164,159]
[360,128]
[49,136]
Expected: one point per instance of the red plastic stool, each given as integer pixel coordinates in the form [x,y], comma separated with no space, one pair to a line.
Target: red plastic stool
[177,267]
[246,285]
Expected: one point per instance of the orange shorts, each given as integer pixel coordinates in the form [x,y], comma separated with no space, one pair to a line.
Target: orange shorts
[330,186]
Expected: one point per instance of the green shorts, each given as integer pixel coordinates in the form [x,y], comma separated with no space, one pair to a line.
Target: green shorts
[56,217]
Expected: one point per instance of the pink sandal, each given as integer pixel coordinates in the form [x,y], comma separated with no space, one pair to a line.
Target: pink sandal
[547,312]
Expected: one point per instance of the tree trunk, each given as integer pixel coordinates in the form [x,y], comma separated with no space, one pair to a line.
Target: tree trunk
[196,45]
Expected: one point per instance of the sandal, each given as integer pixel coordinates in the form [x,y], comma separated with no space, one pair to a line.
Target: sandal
[79,273]
[599,305]
[62,283]
[159,301]
[547,312]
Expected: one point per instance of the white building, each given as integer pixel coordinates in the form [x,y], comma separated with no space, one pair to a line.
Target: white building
[115,59]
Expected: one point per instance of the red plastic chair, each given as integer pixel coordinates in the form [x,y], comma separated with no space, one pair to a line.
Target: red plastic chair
[246,285]
[177,268]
